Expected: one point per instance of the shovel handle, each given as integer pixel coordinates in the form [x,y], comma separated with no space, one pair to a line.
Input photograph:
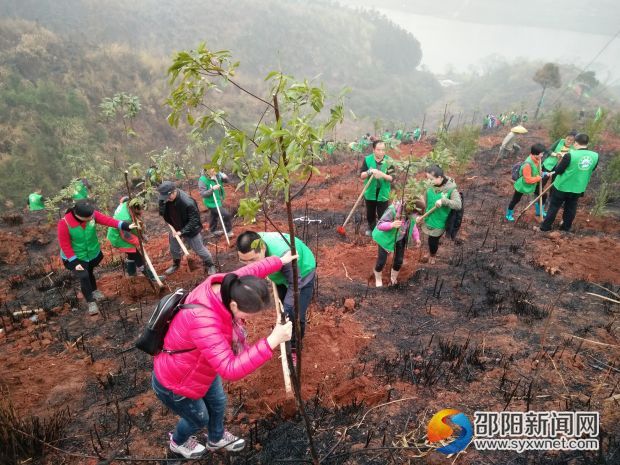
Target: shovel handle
[533,202]
[219,213]
[150,265]
[359,198]
[420,218]
[285,371]
[181,244]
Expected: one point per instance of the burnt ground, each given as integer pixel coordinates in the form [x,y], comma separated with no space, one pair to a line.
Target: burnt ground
[503,320]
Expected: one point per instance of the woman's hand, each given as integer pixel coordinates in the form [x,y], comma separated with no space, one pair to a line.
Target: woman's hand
[281,333]
[396,224]
[288,257]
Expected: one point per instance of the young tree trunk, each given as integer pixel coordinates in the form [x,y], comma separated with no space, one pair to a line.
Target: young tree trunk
[542,96]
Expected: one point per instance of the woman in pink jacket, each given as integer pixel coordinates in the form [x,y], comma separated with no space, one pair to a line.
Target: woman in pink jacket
[208,343]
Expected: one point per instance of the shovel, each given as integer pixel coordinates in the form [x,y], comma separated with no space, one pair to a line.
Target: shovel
[191,264]
[340,229]
[285,370]
[419,219]
[221,220]
[533,202]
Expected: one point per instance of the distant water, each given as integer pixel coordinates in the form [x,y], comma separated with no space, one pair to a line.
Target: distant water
[460,44]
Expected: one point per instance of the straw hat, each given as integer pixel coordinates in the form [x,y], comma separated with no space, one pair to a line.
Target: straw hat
[519,130]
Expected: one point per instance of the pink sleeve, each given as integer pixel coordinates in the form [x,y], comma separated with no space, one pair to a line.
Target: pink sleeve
[262,268]
[105,220]
[385,222]
[415,233]
[208,336]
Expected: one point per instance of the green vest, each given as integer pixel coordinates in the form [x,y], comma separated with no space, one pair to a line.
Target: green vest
[550,162]
[384,185]
[520,184]
[84,241]
[437,219]
[387,239]
[80,191]
[276,247]
[114,235]
[577,176]
[220,194]
[35,202]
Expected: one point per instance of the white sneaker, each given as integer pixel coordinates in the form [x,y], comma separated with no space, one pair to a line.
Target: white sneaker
[98,295]
[190,449]
[93,309]
[368,233]
[378,279]
[229,441]
[394,277]
[230,234]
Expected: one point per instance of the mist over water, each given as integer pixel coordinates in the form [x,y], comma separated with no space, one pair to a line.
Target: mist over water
[461,45]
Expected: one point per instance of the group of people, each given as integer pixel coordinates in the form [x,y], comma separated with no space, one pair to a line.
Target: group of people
[569,164]
[491,121]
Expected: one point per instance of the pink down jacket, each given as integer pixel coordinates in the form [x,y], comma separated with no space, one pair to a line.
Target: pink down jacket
[210,331]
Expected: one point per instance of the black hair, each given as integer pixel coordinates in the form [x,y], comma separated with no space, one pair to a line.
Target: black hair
[249,292]
[572,132]
[375,142]
[245,241]
[537,149]
[582,139]
[83,208]
[436,171]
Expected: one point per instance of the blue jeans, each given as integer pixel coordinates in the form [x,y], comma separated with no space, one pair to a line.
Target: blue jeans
[195,414]
[305,297]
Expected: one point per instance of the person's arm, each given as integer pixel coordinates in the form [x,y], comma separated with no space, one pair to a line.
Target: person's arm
[110,222]
[64,240]
[364,170]
[261,268]
[385,223]
[562,165]
[204,190]
[389,173]
[527,175]
[454,202]
[193,219]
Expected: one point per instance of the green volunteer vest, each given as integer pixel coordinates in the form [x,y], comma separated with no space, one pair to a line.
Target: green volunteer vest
[384,186]
[80,191]
[220,194]
[387,239]
[520,184]
[35,202]
[437,219]
[276,247]
[114,235]
[84,241]
[577,176]
[550,162]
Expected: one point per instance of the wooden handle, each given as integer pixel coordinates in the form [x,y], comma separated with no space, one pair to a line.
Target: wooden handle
[174,233]
[219,213]
[426,214]
[150,265]
[285,371]
[357,202]
[533,202]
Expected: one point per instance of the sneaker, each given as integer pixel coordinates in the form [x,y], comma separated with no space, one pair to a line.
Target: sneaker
[172,269]
[219,232]
[190,449]
[93,309]
[98,295]
[229,441]
[432,260]
[368,232]
[211,269]
[230,234]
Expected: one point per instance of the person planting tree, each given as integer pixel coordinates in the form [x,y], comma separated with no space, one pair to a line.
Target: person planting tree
[207,343]
[572,175]
[127,242]
[380,168]
[253,246]
[441,197]
[79,246]
[529,181]
[392,233]
[211,188]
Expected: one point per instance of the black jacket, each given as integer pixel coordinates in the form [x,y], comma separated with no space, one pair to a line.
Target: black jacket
[182,214]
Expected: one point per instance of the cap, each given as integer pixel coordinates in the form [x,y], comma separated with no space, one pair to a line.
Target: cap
[165,189]
[83,208]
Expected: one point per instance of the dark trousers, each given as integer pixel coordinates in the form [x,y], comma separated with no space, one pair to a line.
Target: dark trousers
[399,255]
[305,297]
[214,219]
[516,197]
[136,257]
[88,284]
[433,244]
[557,200]
[374,211]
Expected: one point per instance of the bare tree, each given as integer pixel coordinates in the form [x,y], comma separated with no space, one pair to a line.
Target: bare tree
[547,76]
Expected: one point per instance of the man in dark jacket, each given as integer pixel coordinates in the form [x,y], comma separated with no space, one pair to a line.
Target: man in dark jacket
[181,212]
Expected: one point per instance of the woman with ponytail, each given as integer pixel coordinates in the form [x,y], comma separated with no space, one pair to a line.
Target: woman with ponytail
[205,343]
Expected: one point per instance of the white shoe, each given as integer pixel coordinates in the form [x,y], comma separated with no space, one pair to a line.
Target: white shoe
[229,441]
[190,449]
[98,295]
[368,233]
[93,309]
[230,234]
[378,279]
[393,277]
